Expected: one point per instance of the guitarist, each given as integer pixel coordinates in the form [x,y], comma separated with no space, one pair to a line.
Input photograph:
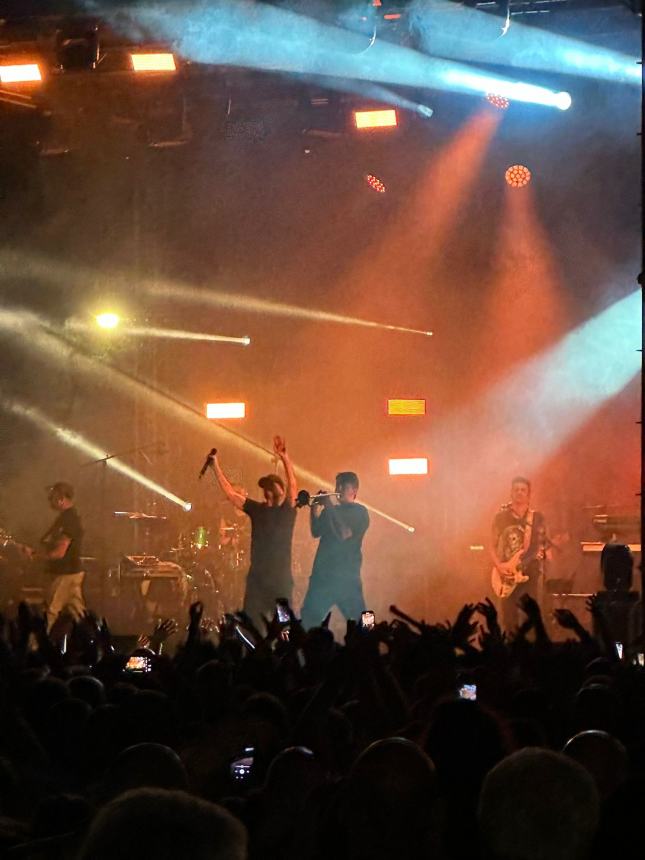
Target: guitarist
[521,532]
[61,552]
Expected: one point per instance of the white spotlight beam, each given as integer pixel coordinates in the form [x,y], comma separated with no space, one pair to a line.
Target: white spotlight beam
[75,440]
[275,39]
[57,272]
[164,333]
[58,349]
[461,33]
[238,302]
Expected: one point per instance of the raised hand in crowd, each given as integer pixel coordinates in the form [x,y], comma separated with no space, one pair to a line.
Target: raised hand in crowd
[568,621]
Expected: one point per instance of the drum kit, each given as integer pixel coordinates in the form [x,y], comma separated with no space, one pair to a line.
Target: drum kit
[205,564]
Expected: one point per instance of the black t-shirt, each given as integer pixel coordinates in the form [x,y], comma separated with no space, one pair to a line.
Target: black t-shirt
[334,555]
[509,531]
[271,533]
[66,524]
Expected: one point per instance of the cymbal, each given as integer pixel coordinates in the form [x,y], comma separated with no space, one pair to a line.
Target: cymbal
[139,515]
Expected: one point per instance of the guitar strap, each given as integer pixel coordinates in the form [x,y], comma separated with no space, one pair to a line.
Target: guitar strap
[528,532]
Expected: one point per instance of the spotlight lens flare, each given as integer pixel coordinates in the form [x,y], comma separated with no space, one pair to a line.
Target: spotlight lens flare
[517,176]
[563,101]
[375,183]
[107,320]
[500,102]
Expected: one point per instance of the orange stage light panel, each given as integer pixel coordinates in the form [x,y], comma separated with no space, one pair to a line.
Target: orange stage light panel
[20,73]
[225,410]
[392,16]
[408,466]
[153,62]
[375,118]
[406,407]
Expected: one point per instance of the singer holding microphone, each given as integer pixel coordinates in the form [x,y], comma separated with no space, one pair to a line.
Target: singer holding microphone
[272,523]
[340,523]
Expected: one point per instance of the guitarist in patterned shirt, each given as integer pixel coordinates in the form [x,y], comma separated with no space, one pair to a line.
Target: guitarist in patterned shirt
[519,546]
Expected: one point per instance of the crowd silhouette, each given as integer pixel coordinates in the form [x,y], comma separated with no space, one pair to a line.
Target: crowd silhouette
[442,741]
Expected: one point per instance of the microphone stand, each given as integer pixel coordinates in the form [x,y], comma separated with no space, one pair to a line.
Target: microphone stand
[103,517]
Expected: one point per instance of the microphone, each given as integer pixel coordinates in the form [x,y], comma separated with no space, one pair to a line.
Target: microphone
[209,462]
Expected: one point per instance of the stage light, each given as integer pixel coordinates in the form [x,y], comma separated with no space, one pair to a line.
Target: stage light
[518,176]
[225,410]
[375,183]
[406,407]
[153,62]
[408,466]
[366,119]
[107,320]
[500,102]
[188,506]
[20,73]
[563,101]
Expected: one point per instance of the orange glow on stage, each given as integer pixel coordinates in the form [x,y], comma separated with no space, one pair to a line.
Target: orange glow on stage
[225,410]
[408,466]
[366,119]
[406,407]
[423,223]
[161,62]
[20,73]
[524,309]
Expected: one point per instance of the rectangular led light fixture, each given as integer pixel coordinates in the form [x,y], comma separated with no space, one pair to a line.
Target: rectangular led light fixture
[225,410]
[153,62]
[375,118]
[406,407]
[19,73]
[408,466]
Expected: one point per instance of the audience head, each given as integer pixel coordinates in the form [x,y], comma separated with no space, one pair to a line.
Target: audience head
[604,757]
[537,805]
[151,824]
[144,766]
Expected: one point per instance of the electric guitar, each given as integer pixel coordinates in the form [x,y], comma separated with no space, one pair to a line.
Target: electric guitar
[505,581]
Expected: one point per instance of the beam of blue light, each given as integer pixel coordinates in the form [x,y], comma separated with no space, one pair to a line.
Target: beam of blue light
[518,424]
[517,92]
[456,31]
[549,397]
[272,39]
[370,91]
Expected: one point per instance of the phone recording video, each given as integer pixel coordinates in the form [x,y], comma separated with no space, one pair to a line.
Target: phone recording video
[469,692]
[242,766]
[139,663]
[282,610]
[367,620]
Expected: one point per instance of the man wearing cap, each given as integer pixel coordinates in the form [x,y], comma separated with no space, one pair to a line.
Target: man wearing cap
[62,554]
[272,523]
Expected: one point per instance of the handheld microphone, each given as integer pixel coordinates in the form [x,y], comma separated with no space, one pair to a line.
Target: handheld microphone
[209,462]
